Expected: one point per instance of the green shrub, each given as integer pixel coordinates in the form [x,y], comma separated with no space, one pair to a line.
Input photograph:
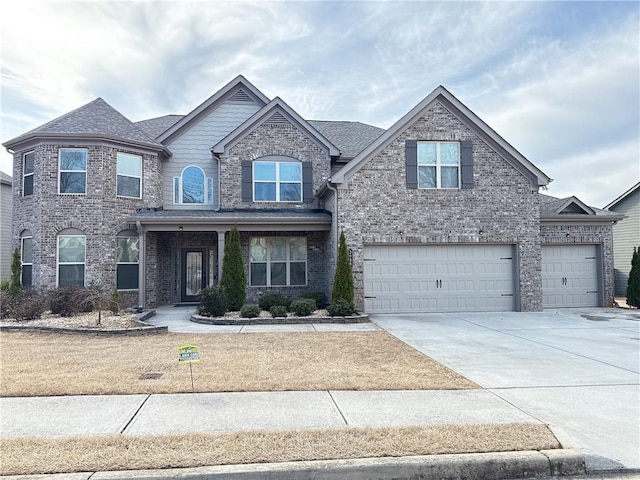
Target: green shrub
[633,284]
[234,279]
[15,285]
[340,309]
[115,302]
[69,300]
[4,285]
[28,305]
[278,311]
[269,300]
[213,302]
[6,302]
[343,279]
[319,297]
[250,311]
[304,307]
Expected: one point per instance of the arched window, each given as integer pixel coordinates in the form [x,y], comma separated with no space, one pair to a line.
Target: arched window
[72,249]
[193,187]
[127,258]
[26,257]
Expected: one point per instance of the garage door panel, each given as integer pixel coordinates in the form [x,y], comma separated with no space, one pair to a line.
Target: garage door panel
[570,276]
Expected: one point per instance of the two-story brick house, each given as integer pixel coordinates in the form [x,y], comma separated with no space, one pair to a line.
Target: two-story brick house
[440,213]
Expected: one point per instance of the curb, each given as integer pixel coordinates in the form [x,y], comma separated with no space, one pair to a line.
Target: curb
[468,466]
[278,320]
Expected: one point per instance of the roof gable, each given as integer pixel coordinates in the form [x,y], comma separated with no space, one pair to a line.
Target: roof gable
[237,90]
[442,95]
[95,120]
[573,210]
[633,190]
[279,113]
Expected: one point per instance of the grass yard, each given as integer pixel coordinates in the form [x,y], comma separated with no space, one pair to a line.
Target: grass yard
[33,364]
[118,452]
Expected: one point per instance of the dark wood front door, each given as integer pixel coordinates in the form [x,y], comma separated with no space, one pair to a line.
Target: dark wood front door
[194,273]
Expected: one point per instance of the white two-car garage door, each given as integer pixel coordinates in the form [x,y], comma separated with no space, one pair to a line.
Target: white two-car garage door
[438,278]
[570,276]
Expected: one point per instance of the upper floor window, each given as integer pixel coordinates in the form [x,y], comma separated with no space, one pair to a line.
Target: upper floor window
[277,181]
[438,165]
[129,172]
[192,187]
[27,173]
[73,170]
[71,257]
[127,258]
[278,261]
[26,257]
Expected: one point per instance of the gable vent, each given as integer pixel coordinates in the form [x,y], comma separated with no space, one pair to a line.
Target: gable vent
[240,96]
[277,119]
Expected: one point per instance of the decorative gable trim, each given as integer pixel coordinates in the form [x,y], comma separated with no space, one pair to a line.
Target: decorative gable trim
[239,89]
[623,197]
[279,113]
[574,206]
[457,108]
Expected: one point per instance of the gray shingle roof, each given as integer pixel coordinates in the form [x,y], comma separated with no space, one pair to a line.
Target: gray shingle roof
[550,205]
[5,178]
[231,214]
[350,137]
[95,118]
[157,126]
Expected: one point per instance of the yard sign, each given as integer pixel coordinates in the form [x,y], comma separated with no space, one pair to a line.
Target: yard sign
[189,354]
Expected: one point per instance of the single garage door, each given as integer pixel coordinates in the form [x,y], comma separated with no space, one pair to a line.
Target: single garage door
[438,278]
[570,276]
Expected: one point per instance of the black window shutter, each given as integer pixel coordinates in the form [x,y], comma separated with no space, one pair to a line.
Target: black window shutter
[247,181]
[307,182]
[466,163]
[411,163]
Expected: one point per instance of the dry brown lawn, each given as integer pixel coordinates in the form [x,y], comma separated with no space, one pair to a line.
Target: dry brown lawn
[117,452]
[55,364]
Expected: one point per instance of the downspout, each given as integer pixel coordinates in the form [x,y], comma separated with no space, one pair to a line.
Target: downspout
[216,158]
[334,225]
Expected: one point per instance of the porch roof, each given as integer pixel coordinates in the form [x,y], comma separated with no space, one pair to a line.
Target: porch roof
[223,219]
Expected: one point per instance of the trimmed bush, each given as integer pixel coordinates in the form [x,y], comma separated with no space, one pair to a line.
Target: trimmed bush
[250,311]
[234,280]
[343,279]
[213,302]
[69,300]
[5,304]
[341,309]
[15,286]
[278,311]
[28,305]
[319,297]
[633,284]
[269,300]
[304,307]
[115,302]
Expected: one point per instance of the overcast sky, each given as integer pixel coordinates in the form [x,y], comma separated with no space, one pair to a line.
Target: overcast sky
[560,81]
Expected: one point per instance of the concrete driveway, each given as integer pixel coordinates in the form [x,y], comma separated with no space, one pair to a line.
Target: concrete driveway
[575,369]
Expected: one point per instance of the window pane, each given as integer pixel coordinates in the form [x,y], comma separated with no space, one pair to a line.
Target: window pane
[426,153]
[27,275]
[298,249]
[427,177]
[258,274]
[127,277]
[258,250]
[28,163]
[291,172]
[71,275]
[449,153]
[265,192]
[73,160]
[72,182]
[449,177]
[278,274]
[193,185]
[264,171]
[28,186]
[128,187]
[278,249]
[126,249]
[210,191]
[71,249]
[27,250]
[290,192]
[130,165]
[298,273]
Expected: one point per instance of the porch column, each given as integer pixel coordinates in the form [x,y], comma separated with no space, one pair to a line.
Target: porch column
[221,242]
[142,261]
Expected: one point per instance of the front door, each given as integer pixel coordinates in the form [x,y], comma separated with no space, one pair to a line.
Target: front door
[194,273]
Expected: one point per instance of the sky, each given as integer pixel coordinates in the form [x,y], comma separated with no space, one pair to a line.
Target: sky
[559,81]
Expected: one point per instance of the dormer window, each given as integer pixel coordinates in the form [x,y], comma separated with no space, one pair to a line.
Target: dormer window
[277,181]
[192,187]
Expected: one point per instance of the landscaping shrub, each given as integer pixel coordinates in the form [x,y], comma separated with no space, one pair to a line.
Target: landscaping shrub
[343,279]
[304,307]
[28,305]
[69,300]
[278,311]
[269,300]
[115,302]
[233,280]
[341,309]
[213,302]
[250,311]
[633,284]
[15,285]
[319,297]
[5,304]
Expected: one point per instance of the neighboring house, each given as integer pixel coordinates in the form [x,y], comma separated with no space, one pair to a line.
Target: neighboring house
[6,201]
[440,213]
[626,235]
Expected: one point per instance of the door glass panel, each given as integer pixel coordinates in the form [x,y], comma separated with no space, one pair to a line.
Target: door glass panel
[193,283]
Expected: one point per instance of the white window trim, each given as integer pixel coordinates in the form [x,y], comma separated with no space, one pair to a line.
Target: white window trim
[287,261]
[22,262]
[139,157]
[60,171]
[127,263]
[439,166]
[58,262]
[25,175]
[208,188]
[277,181]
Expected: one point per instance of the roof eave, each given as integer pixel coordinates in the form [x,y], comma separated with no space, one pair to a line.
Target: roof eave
[578,219]
[623,196]
[244,224]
